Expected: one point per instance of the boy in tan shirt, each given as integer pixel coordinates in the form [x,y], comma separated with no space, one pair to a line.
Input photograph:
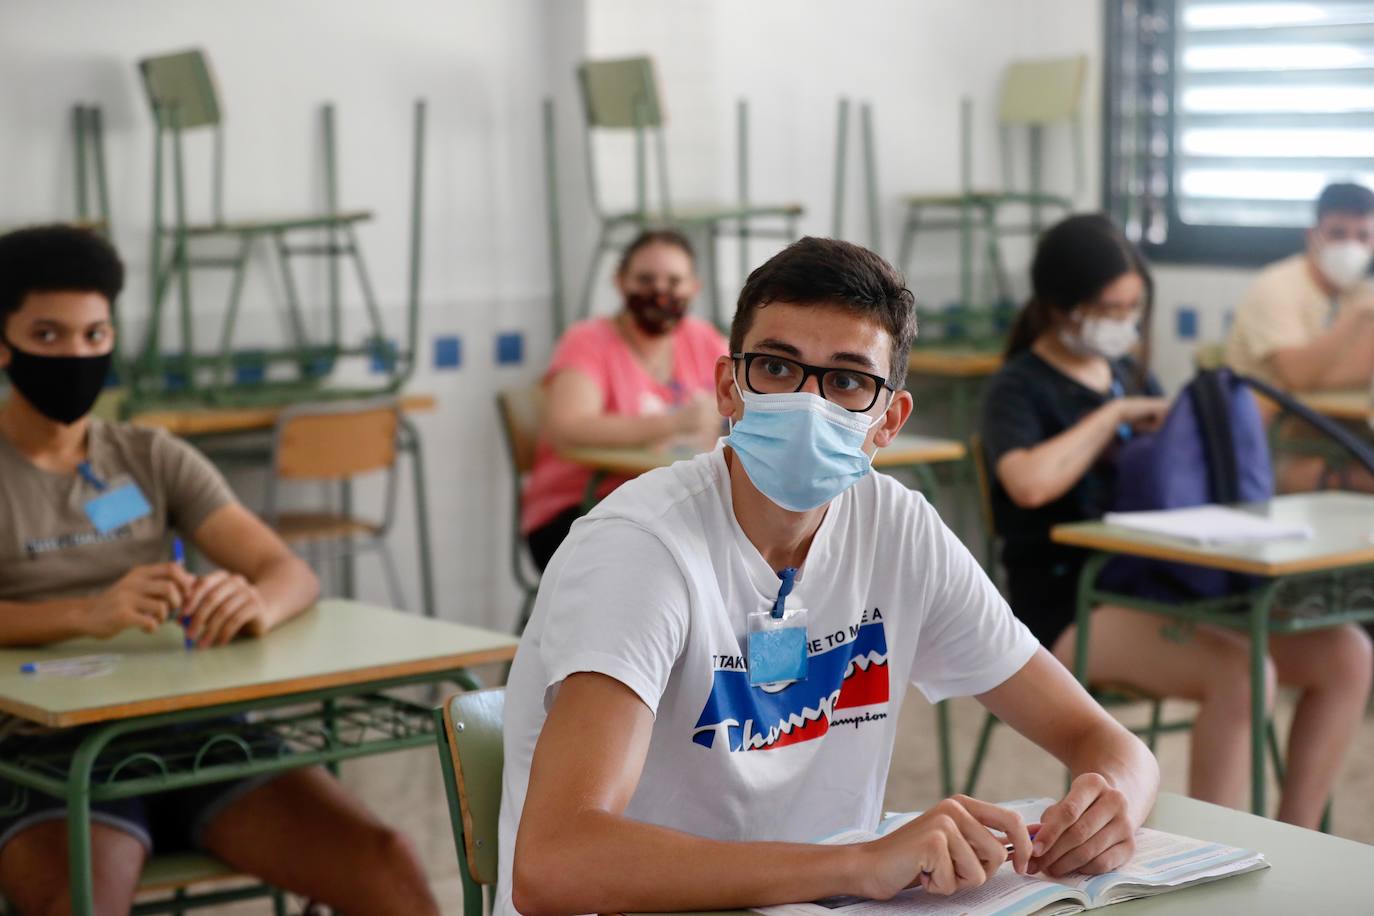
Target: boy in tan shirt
[88,511]
[1307,322]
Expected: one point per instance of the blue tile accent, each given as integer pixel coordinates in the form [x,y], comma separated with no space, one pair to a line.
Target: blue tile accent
[250,367]
[510,348]
[383,355]
[1185,322]
[448,352]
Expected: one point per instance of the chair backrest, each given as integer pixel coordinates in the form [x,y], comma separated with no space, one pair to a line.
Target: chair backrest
[620,93]
[520,409]
[472,758]
[980,474]
[336,441]
[1042,91]
[181,83]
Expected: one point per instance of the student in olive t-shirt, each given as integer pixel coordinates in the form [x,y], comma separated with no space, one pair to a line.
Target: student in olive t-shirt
[1055,415]
[88,511]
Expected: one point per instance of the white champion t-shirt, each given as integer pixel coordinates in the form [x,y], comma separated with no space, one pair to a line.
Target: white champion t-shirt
[653,588]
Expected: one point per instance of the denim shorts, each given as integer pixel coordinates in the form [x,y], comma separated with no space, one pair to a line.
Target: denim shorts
[165,822]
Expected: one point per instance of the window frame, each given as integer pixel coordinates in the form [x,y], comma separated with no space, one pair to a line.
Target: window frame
[1184,243]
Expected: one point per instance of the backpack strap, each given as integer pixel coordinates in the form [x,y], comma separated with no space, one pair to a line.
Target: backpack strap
[1361,452]
[1211,404]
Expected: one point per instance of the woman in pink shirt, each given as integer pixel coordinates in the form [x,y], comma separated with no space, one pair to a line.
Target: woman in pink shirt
[640,378]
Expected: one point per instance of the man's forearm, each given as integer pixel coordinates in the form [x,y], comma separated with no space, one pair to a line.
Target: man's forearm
[287,587]
[1124,761]
[37,623]
[600,863]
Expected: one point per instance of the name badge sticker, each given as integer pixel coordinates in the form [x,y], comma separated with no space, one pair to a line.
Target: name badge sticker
[116,507]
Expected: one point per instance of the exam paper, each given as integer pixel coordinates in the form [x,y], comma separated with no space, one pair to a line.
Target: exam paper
[1210,525]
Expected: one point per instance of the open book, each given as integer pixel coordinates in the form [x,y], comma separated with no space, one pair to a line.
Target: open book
[1163,862]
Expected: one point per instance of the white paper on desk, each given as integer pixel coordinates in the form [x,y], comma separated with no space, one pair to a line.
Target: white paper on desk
[1210,525]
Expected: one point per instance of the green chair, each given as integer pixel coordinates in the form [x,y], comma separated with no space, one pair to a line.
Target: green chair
[519,409]
[1035,95]
[182,95]
[621,96]
[167,882]
[88,134]
[471,755]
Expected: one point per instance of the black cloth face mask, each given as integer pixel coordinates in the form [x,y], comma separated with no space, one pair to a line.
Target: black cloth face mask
[61,388]
[655,315]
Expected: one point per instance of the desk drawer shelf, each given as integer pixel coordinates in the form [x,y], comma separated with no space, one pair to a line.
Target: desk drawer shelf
[165,756]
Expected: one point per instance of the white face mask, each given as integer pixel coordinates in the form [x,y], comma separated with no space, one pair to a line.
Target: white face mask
[1344,263]
[1111,338]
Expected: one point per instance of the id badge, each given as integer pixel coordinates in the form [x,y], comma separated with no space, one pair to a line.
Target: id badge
[777,647]
[117,507]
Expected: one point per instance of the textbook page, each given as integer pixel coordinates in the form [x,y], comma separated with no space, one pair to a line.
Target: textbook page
[1162,862]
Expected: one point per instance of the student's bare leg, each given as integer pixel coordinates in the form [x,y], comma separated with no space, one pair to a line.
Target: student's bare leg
[33,869]
[1333,669]
[1211,666]
[305,833]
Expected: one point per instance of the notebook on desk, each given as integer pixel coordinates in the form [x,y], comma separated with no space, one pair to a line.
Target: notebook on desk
[1210,525]
[1163,862]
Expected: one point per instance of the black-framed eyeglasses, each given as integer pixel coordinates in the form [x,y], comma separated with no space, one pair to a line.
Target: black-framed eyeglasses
[855,391]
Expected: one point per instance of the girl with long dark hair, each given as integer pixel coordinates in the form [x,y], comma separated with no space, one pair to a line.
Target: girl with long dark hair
[1074,387]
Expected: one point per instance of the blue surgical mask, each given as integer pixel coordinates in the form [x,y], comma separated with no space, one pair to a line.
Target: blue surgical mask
[800,450]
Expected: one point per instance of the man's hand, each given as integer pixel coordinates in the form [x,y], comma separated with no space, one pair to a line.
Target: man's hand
[221,606]
[947,849]
[1090,831]
[144,597]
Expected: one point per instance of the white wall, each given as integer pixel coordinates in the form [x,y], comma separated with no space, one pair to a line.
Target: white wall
[484,65]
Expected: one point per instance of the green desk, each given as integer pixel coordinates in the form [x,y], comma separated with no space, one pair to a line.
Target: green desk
[1309,872]
[1332,574]
[1341,405]
[320,685]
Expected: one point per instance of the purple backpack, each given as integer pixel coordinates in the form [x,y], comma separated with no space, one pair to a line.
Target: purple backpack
[1211,448]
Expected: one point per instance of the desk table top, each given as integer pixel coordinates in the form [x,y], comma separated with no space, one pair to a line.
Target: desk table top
[336,643]
[1342,524]
[631,462]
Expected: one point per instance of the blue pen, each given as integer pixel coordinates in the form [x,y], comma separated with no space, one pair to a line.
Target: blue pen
[788,577]
[179,556]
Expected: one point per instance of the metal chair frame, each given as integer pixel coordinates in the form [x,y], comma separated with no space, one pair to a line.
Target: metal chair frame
[336,549]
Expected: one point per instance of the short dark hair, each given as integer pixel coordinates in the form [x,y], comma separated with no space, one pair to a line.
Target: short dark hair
[654,237]
[56,258]
[831,272]
[1345,197]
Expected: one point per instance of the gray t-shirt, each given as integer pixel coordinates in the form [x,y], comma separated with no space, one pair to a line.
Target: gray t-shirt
[48,546]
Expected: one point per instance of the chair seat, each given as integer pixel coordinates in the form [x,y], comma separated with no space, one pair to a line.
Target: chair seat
[277,223]
[168,872]
[702,213]
[985,198]
[300,527]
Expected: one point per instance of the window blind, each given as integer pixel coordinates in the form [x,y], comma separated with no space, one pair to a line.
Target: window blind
[1271,100]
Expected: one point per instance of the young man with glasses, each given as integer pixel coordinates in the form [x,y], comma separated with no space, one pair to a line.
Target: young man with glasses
[712,675]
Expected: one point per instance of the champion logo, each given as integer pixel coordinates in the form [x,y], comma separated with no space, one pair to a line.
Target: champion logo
[851,675]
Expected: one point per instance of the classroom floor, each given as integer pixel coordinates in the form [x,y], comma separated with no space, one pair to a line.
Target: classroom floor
[409,789]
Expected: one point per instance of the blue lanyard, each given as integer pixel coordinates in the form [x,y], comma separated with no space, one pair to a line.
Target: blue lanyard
[788,577]
[88,475]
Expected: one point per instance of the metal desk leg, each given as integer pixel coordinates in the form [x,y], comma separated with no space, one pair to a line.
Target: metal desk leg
[1260,606]
[80,882]
[412,443]
[1087,580]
